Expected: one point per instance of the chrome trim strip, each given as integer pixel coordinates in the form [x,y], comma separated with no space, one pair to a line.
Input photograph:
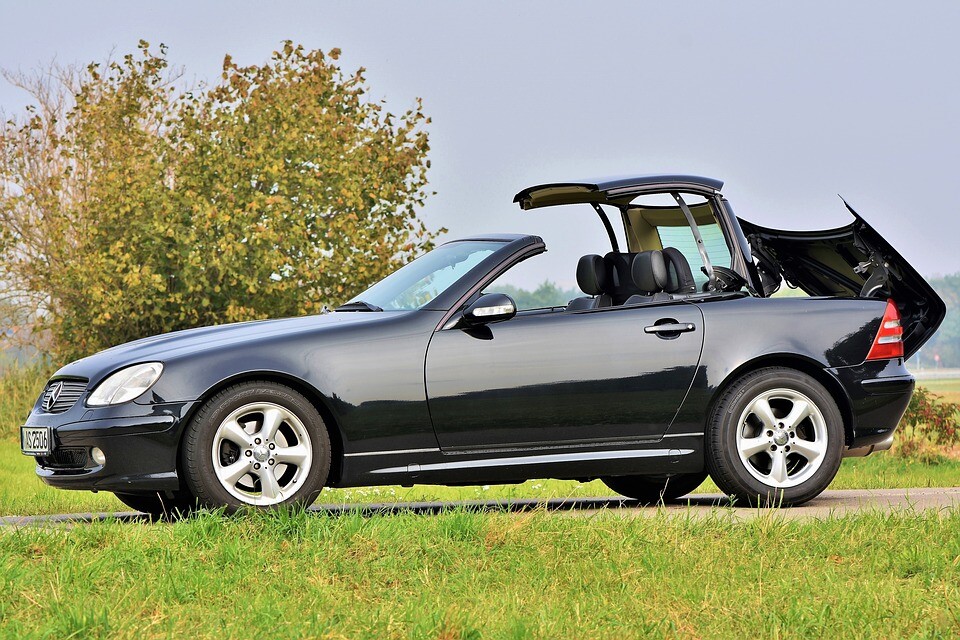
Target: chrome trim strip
[552,446]
[389,453]
[542,459]
[393,452]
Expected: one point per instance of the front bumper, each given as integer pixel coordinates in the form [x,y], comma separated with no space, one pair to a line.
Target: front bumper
[140,450]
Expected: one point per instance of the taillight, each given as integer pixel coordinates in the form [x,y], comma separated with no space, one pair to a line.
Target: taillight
[889,340]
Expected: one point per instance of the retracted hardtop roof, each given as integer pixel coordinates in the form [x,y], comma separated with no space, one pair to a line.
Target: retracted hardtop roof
[617,192]
[611,190]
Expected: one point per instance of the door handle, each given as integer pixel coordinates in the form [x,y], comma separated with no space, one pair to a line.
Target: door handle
[671,327]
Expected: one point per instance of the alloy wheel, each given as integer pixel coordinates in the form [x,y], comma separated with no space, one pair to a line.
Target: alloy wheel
[782,438]
[262,453]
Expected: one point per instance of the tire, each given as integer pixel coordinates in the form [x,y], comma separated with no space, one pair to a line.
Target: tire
[158,505]
[775,438]
[655,489]
[256,444]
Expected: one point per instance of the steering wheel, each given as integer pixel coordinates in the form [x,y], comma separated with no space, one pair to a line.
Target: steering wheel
[727,279]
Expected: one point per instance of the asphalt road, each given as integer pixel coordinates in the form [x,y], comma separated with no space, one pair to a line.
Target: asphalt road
[829,503]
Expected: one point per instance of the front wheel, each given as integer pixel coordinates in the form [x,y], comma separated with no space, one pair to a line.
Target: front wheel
[655,489]
[256,444]
[775,438]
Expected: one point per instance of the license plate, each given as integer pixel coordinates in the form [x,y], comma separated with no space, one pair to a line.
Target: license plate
[35,441]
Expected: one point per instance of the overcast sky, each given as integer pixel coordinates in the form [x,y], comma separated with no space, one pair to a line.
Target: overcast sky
[788,103]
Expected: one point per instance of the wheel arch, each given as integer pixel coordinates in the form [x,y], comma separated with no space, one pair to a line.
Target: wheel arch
[308,391]
[800,363]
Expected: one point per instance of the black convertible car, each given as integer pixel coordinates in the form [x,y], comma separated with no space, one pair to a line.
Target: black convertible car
[674,363]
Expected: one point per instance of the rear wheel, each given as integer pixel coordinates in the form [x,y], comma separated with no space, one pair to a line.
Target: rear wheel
[158,504]
[775,438]
[256,444]
[655,489]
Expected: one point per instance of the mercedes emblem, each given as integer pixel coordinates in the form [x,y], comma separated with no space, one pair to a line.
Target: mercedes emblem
[52,396]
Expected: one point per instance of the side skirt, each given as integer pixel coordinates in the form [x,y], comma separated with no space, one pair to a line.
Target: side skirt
[677,453]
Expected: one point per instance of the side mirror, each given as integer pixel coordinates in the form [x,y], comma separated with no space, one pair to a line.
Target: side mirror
[490,307]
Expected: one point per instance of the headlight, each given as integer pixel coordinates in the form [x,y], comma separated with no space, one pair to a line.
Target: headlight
[125,385]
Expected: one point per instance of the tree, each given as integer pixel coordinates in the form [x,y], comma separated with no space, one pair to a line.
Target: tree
[547,294]
[131,205]
[946,342]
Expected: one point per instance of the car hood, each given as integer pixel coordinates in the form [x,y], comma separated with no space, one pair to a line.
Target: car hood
[167,346]
[851,261]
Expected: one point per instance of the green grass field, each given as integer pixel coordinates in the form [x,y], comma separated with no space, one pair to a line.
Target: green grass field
[477,575]
[948,389]
[466,575]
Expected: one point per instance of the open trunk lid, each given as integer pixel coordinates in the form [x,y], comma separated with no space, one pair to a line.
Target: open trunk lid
[851,261]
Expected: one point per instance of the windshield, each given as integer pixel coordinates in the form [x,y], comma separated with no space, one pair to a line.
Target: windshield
[422,280]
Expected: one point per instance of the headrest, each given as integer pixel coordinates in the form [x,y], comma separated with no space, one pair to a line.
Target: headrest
[679,276]
[592,275]
[649,271]
[620,284]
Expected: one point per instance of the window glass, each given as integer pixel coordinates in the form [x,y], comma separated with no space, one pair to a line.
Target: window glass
[666,200]
[422,280]
[713,241]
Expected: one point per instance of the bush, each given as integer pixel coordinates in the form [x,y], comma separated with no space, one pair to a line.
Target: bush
[930,416]
[918,448]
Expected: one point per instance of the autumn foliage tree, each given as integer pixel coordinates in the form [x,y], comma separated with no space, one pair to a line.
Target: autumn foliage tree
[132,206]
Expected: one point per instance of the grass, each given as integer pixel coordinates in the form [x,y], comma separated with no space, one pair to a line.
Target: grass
[949,389]
[467,575]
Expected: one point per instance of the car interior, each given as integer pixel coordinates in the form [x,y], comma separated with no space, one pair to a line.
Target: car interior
[632,278]
[652,271]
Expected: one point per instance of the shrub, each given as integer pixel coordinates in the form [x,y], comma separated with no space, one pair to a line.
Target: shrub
[929,415]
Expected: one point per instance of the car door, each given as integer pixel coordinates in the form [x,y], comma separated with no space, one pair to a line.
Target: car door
[551,378]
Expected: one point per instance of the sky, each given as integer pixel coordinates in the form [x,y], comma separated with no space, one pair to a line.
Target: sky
[789,103]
